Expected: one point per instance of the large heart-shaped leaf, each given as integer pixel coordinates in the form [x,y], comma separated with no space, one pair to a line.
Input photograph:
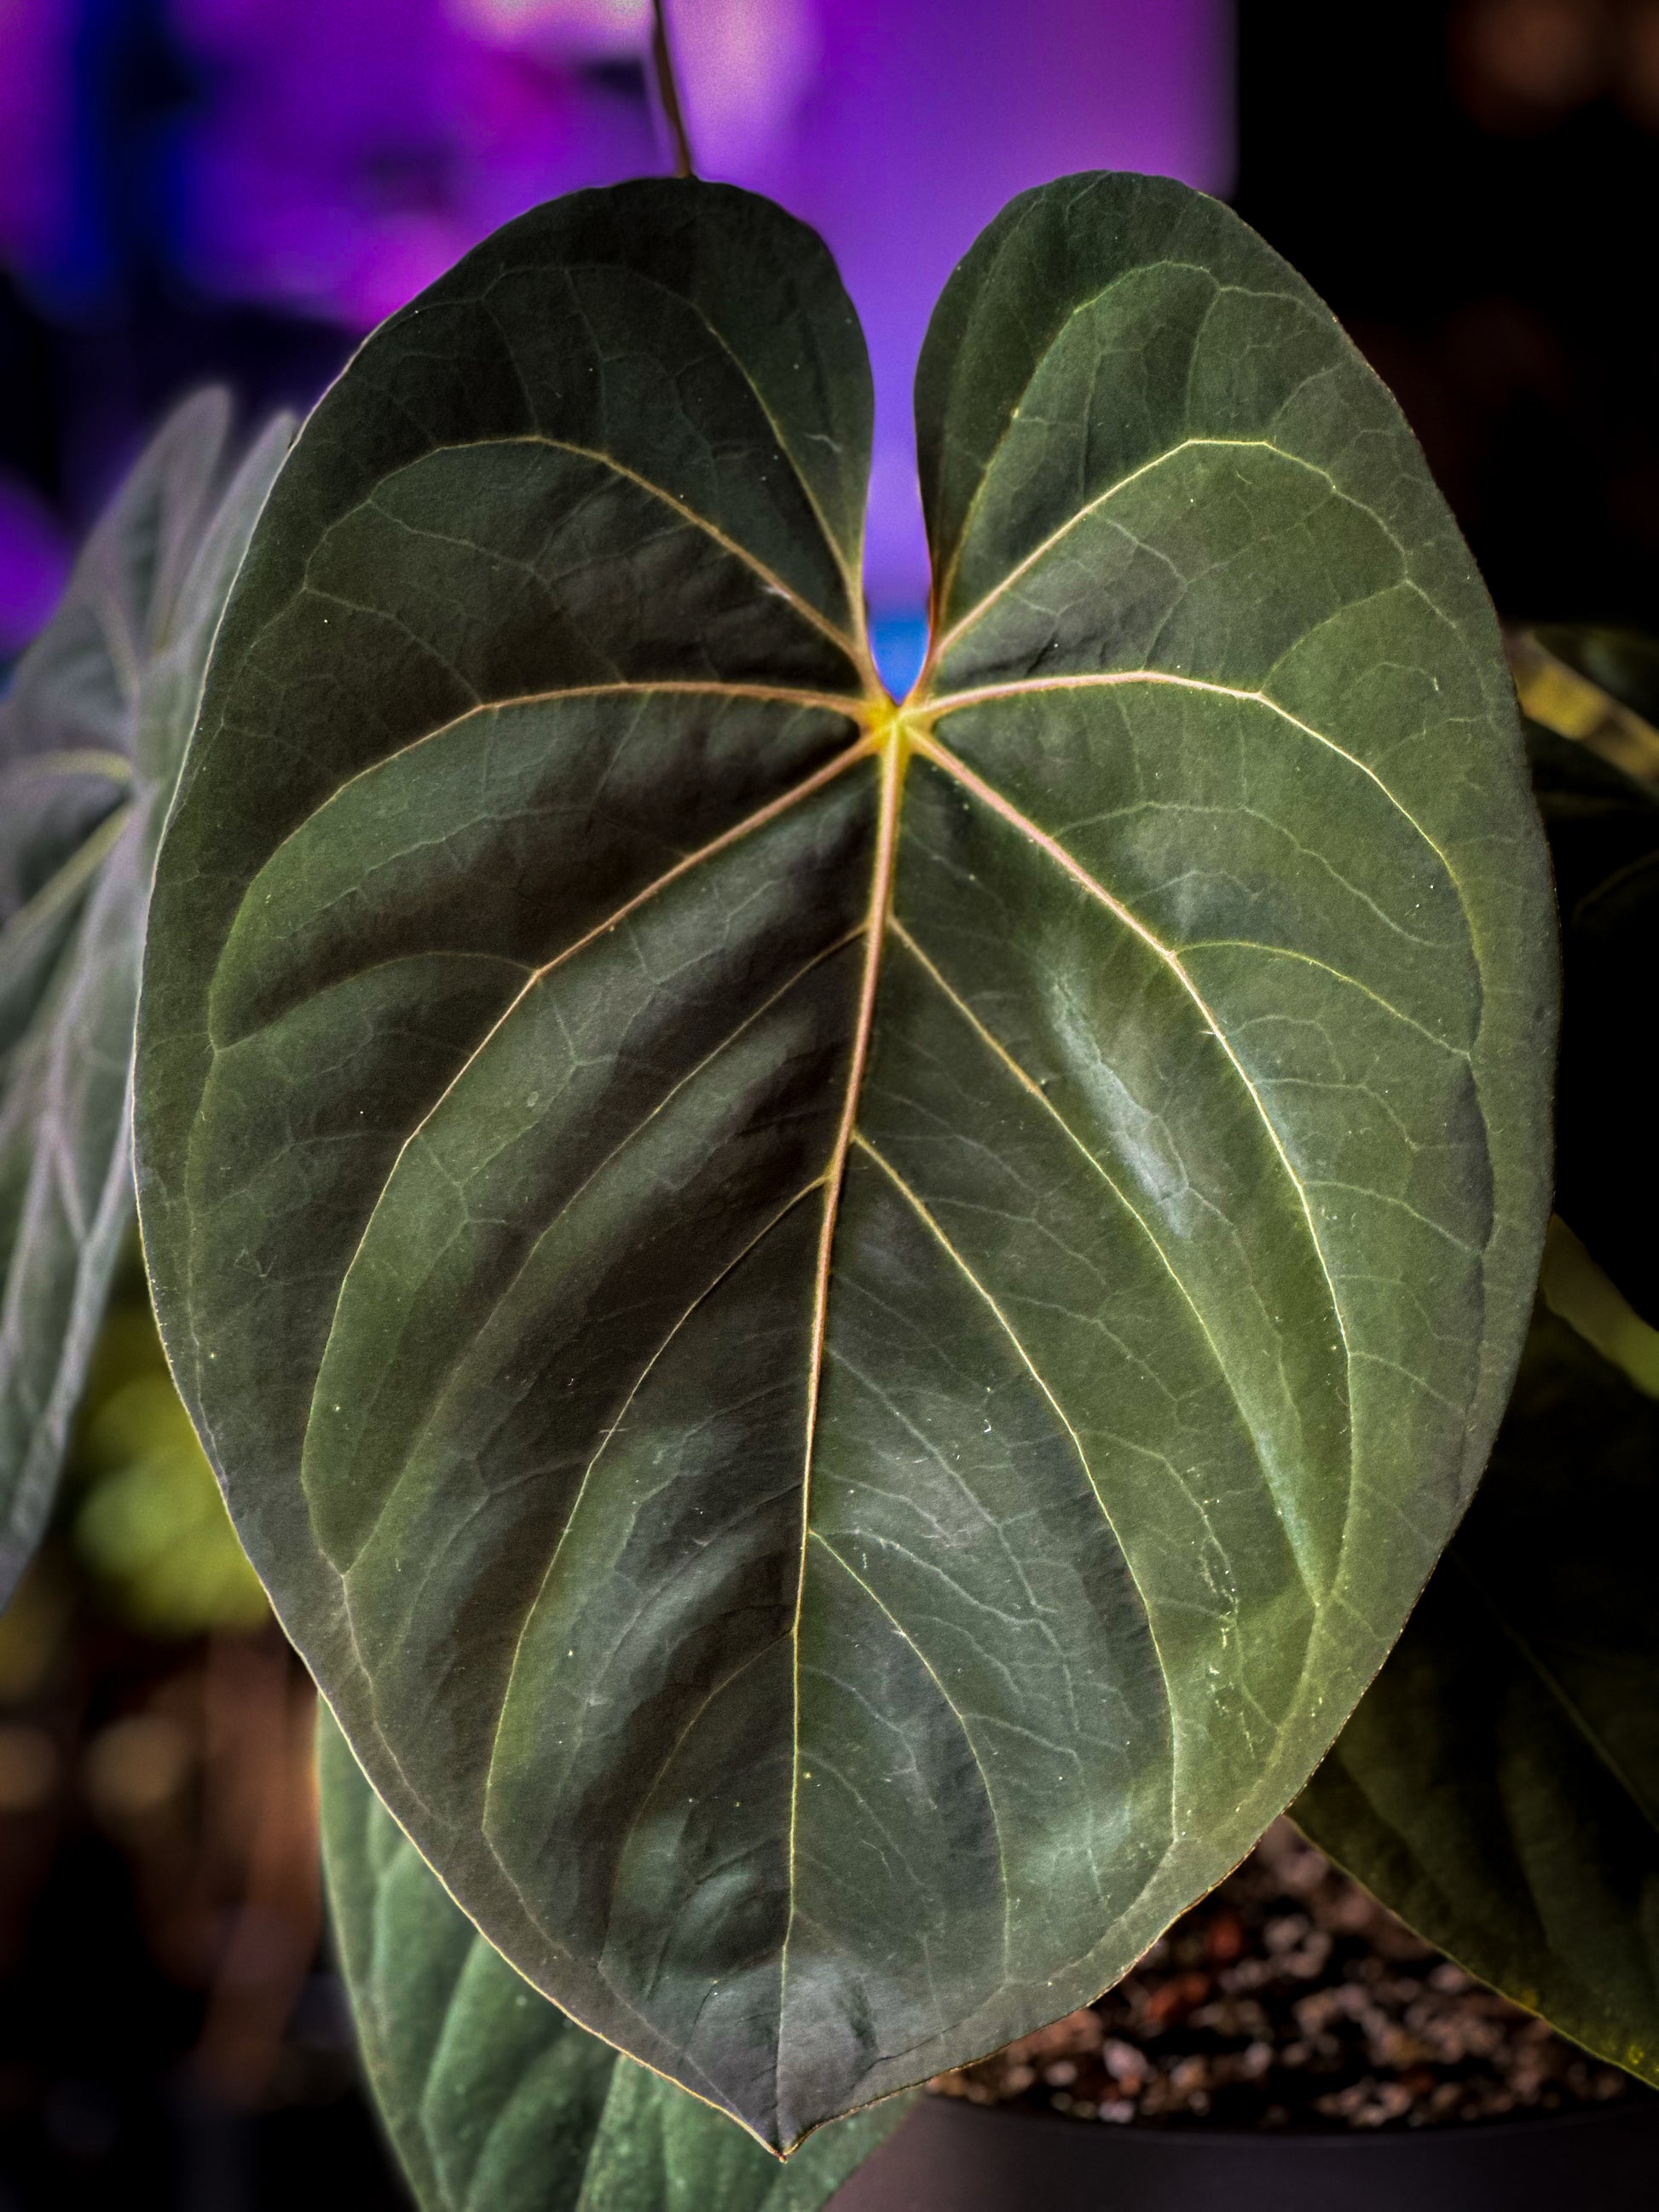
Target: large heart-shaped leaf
[1498,1787]
[495,2100]
[843,1332]
[91,734]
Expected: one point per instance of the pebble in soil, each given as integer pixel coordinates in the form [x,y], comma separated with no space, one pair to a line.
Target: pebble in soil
[1289,1998]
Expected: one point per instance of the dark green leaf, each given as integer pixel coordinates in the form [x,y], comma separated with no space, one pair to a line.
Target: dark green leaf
[1498,1787]
[91,733]
[495,2100]
[837,1474]
[1603,830]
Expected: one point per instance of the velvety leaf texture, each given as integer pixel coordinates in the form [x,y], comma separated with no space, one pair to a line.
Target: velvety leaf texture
[845,1332]
[92,730]
[1498,1787]
[495,2100]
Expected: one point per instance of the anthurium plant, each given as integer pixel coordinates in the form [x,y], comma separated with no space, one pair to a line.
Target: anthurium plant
[845,1328]
[92,727]
[1499,1786]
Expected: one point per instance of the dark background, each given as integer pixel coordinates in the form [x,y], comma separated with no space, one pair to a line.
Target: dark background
[1474,190]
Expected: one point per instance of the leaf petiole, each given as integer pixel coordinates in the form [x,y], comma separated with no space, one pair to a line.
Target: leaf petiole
[668,91]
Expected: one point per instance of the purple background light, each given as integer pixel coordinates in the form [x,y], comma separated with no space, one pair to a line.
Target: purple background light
[921,120]
[36,44]
[350,151]
[325,159]
[33,563]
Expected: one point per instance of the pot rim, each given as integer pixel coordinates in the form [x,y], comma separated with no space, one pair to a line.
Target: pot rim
[1639,2100]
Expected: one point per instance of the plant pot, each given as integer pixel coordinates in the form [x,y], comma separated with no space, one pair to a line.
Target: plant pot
[951,2156]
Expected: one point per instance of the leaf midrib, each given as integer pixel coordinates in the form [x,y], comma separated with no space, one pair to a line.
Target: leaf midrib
[750,823]
[894,738]
[892,742]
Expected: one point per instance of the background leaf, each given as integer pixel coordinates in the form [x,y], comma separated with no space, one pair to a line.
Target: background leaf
[878,1314]
[1498,1787]
[142,1512]
[91,733]
[1620,662]
[1603,830]
[495,2100]
[1553,670]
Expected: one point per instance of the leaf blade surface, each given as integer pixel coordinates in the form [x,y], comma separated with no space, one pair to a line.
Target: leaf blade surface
[491,2095]
[1498,1785]
[824,1419]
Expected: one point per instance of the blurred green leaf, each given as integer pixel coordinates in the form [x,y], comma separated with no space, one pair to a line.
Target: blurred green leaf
[92,730]
[139,1507]
[494,2101]
[1603,831]
[1573,1286]
[1499,1786]
[152,1530]
[1620,662]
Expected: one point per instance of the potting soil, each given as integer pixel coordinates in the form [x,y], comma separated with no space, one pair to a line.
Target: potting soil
[1289,1998]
